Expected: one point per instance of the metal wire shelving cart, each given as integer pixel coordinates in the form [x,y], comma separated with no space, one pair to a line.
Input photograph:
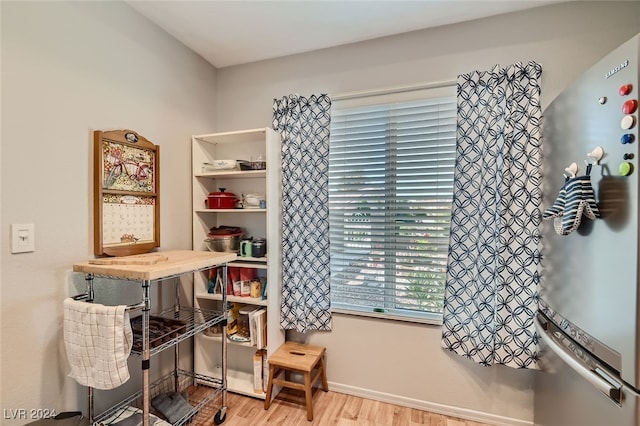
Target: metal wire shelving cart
[204,393]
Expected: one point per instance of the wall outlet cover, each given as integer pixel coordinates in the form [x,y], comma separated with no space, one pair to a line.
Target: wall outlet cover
[23,238]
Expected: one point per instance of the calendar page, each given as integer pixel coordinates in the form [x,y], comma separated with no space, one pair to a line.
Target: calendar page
[127,220]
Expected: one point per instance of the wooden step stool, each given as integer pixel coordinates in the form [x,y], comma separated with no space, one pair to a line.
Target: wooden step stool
[301,358]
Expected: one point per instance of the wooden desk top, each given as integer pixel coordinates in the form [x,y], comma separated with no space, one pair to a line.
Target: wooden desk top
[156,265]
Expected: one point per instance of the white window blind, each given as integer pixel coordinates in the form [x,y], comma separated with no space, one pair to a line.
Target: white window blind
[390,191]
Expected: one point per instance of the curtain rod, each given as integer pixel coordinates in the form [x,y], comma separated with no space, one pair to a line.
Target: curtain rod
[399,89]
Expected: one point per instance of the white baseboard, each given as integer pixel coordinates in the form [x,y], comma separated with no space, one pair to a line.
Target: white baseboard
[448,410]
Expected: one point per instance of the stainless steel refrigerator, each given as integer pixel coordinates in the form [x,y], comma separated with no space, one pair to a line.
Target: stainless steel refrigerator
[589,313]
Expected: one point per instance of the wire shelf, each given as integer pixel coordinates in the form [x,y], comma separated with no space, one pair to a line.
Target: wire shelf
[203,393]
[182,323]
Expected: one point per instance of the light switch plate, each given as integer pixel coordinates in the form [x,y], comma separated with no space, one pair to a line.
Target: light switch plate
[23,238]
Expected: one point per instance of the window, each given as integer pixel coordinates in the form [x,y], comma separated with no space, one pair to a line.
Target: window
[391,169]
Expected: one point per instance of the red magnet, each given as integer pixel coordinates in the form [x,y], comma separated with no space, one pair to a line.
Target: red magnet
[625,89]
[630,106]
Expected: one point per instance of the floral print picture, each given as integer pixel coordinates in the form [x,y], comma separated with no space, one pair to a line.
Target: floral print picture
[127,168]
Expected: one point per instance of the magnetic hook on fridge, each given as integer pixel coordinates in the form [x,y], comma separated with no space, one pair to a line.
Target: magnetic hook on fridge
[596,155]
[571,171]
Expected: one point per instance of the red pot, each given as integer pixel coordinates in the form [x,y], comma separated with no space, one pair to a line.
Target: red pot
[221,200]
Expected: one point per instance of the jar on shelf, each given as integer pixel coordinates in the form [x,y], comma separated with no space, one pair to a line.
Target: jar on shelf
[243,322]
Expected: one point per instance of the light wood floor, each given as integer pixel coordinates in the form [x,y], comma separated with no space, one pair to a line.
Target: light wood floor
[329,408]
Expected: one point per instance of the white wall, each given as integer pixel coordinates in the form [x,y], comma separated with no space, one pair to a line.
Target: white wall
[399,361]
[69,68]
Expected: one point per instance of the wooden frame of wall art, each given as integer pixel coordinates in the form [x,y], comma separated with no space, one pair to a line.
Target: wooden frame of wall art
[126,204]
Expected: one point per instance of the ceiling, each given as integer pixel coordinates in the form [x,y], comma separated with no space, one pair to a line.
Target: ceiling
[235,32]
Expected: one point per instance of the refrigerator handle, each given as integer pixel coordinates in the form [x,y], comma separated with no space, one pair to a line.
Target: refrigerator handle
[593,376]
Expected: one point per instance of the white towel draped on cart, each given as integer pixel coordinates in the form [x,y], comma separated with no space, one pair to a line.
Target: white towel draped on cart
[98,341]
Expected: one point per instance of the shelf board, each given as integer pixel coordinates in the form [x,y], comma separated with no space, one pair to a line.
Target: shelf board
[233,137]
[239,382]
[251,262]
[248,262]
[235,299]
[233,174]
[242,384]
[218,338]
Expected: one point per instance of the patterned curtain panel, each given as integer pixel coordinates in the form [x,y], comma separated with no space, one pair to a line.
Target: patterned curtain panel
[303,124]
[495,248]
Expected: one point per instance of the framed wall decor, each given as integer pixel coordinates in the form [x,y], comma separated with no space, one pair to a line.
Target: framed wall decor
[126,205]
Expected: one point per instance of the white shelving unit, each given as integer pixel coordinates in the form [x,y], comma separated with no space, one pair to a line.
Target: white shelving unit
[240,145]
